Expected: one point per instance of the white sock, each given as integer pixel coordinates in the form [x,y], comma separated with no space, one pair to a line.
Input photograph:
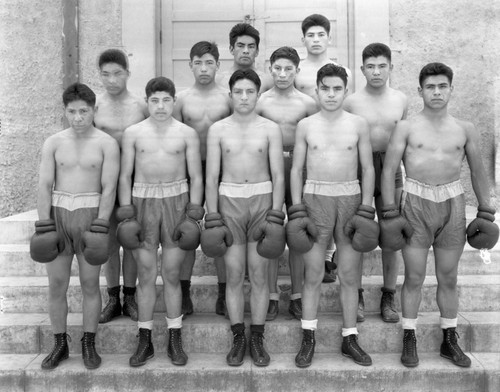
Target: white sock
[448,323]
[309,324]
[295,296]
[174,323]
[407,323]
[329,253]
[349,331]
[145,324]
[274,297]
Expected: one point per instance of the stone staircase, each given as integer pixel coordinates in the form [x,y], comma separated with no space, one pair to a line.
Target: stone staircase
[26,336]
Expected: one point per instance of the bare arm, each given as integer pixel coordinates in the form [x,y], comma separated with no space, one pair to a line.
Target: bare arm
[126,168]
[109,178]
[393,156]
[366,161]
[276,166]
[213,169]
[299,160]
[478,173]
[193,160]
[46,180]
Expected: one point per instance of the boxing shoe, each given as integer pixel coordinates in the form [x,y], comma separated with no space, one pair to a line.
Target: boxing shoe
[59,352]
[187,303]
[174,350]
[351,349]
[235,356]
[306,352]
[387,308]
[113,307]
[145,349]
[220,304]
[409,358]
[330,267]
[451,350]
[258,353]
[295,308]
[360,316]
[272,310]
[130,307]
[91,359]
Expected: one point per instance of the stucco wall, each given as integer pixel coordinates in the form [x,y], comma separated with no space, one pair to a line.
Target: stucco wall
[465,35]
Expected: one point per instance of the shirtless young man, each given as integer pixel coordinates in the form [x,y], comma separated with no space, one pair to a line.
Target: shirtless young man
[158,150]
[199,107]
[432,145]
[330,144]
[316,38]
[286,106]
[116,109]
[244,42]
[250,150]
[382,106]
[77,189]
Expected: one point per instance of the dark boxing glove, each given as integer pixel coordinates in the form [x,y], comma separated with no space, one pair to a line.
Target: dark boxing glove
[301,232]
[362,229]
[187,232]
[216,237]
[482,233]
[271,235]
[95,242]
[129,231]
[394,229]
[45,244]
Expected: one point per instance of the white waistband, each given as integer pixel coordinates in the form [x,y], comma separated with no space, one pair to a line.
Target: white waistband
[325,188]
[230,189]
[435,193]
[74,201]
[161,190]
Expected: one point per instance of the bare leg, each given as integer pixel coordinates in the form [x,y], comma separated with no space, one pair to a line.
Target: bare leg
[89,281]
[172,260]
[348,272]
[297,271]
[146,289]
[59,271]
[446,273]
[415,260]
[257,272]
[235,259]
[129,269]
[187,265]
[314,270]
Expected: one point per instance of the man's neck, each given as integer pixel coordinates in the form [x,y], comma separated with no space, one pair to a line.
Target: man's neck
[284,92]
[205,87]
[118,97]
[370,90]
[332,115]
[317,58]
[244,118]
[237,67]
[163,124]
[435,114]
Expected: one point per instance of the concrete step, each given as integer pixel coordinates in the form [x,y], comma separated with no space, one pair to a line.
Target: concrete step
[16,261]
[18,229]
[31,333]
[475,293]
[209,372]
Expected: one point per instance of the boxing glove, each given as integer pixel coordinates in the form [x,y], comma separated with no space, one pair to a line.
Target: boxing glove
[394,229]
[301,232]
[187,232]
[95,242]
[270,235]
[129,231]
[362,229]
[482,233]
[45,244]
[216,237]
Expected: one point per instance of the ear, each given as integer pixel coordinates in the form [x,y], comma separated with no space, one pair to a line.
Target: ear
[303,39]
[362,68]
[231,49]
[391,67]
[451,88]
[298,70]
[270,69]
[419,89]
[217,65]
[191,65]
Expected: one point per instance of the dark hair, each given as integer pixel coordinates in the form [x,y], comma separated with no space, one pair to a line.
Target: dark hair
[204,47]
[315,20]
[113,56]
[376,49]
[434,69]
[331,70]
[160,83]
[240,74]
[78,92]
[285,52]
[243,29]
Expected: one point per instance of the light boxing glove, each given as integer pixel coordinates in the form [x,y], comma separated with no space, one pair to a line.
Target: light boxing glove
[95,242]
[270,235]
[45,244]
[187,232]
[362,229]
[394,229]
[301,232]
[482,233]
[216,237]
[129,231]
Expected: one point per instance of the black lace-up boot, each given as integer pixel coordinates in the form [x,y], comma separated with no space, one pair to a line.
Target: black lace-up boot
[145,349]
[306,352]
[451,350]
[409,358]
[174,350]
[295,308]
[351,349]
[387,308]
[113,307]
[187,304]
[235,356]
[257,351]
[59,352]
[129,304]
[91,359]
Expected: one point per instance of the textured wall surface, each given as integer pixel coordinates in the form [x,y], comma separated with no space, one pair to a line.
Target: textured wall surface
[464,35]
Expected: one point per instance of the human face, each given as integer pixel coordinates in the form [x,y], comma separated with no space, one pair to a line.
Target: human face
[244,96]
[244,51]
[114,78]
[283,72]
[316,40]
[161,105]
[331,92]
[79,115]
[376,71]
[436,91]
[204,68]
